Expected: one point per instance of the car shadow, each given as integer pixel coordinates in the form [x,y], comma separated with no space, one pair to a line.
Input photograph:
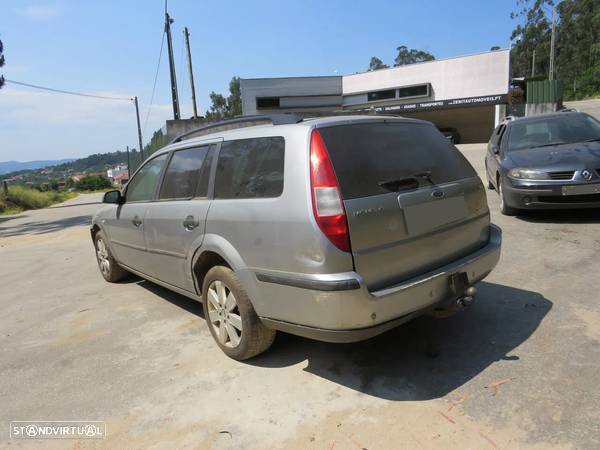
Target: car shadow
[45,226]
[561,216]
[74,204]
[397,365]
[186,303]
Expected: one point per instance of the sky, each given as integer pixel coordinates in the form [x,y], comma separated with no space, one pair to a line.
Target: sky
[107,47]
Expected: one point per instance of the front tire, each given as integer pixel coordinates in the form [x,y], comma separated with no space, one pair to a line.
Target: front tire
[231,319]
[504,208]
[109,268]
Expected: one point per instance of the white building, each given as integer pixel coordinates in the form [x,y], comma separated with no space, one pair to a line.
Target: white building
[117,173]
[468,93]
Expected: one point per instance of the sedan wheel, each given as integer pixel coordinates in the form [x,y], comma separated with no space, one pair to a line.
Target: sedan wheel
[224,314]
[232,321]
[504,208]
[102,255]
[109,268]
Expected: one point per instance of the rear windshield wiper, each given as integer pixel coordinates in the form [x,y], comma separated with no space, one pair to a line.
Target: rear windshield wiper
[406,183]
[592,140]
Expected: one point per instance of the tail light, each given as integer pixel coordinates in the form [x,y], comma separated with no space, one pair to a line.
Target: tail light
[326,199]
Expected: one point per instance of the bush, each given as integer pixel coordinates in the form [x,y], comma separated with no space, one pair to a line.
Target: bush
[92,183]
[21,197]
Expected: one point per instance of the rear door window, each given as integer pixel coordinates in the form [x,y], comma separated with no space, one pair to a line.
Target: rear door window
[250,168]
[364,155]
[185,173]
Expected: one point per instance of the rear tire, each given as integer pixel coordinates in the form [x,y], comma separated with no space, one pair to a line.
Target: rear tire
[230,316]
[109,268]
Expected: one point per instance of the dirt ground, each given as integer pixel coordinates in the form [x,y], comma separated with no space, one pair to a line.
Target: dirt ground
[518,370]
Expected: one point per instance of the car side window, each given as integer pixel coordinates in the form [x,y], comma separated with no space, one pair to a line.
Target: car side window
[184,173]
[250,168]
[143,185]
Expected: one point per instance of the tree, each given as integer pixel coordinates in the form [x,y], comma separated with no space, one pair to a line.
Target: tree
[411,56]
[578,47]
[234,101]
[222,107]
[158,141]
[577,43]
[1,63]
[92,183]
[533,34]
[376,64]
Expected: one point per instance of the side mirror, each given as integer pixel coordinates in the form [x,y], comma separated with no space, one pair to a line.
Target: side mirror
[494,149]
[113,197]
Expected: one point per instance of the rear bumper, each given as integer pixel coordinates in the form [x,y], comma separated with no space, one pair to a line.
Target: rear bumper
[547,197]
[352,313]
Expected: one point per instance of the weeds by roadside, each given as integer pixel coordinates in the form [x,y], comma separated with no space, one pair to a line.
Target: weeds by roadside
[20,198]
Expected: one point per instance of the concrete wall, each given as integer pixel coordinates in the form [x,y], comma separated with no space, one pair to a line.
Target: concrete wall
[319,91]
[177,127]
[464,76]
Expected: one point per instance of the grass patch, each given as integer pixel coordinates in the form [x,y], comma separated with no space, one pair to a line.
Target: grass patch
[20,198]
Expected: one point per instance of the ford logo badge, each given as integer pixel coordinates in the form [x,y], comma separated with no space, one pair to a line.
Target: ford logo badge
[438,194]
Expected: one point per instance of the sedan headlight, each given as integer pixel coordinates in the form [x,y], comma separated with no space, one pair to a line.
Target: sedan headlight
[528,174]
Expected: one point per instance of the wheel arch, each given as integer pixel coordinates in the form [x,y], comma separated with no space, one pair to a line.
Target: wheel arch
[214,251]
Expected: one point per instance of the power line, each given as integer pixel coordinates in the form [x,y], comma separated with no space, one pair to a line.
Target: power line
[162,44]
[60,91]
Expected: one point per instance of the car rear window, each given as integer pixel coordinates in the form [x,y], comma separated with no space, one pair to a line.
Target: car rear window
[367,154]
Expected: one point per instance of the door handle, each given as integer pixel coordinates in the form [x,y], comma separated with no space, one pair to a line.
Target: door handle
[136,221]
[190,223]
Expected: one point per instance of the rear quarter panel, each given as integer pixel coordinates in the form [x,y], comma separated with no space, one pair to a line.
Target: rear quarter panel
[275,234]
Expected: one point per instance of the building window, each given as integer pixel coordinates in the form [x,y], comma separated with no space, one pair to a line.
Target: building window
[422,90]
[267,102]
[390,94]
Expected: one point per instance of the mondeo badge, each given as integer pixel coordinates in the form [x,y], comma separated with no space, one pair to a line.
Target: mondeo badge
[587,174]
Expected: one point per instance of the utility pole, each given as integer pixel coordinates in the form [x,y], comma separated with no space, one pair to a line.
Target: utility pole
[174,95]
[137,113]
[128,165]
[533,64]
[189,57]
[552,44]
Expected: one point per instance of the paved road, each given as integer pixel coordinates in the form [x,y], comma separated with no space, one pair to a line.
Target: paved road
[592,107]
[142,359]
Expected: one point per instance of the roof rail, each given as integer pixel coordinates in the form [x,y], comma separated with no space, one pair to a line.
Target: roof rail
[275,119]
[568,110]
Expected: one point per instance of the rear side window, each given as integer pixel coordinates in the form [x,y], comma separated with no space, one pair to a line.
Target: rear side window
[250,168]
[184,174]
[364,155]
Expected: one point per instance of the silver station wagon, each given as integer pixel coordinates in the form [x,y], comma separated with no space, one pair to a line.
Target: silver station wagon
[334,228]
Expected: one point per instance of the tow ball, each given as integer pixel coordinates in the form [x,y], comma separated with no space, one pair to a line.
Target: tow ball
[464,295]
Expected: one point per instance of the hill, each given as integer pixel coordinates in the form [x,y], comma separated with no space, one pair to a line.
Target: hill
[15,166]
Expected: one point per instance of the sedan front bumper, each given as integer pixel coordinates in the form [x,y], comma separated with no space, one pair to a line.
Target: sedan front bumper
[525,195]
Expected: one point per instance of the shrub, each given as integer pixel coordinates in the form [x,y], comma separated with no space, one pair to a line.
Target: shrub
[92,183]
[22,197]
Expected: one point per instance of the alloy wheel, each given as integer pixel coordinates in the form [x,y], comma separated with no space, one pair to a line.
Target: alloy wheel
[102,255]
[224,314]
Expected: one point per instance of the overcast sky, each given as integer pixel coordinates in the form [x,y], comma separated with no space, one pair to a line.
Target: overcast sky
[111,48]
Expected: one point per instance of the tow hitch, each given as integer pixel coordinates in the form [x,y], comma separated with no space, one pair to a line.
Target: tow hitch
[464,295]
